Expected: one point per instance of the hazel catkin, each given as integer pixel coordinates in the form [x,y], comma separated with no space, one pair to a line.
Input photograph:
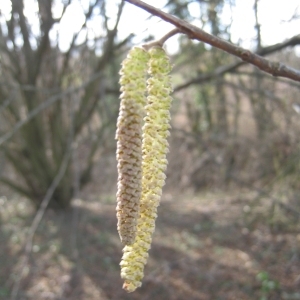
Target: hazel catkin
[154,147]
[129,141]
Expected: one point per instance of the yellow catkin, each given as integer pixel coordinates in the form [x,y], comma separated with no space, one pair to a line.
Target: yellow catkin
[129,141]
[155,147]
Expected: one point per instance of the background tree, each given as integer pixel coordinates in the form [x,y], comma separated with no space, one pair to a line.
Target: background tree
[54,102]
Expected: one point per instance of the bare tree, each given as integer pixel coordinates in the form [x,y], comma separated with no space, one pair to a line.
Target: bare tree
[39,85]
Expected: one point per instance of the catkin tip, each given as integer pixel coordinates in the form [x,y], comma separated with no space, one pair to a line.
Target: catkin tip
[129,287]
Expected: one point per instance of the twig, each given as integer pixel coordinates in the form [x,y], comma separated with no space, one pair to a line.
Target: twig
[37,219]
[162,40]
[76,184]
[207,77]
[2,163]
[193,32]
[251,74]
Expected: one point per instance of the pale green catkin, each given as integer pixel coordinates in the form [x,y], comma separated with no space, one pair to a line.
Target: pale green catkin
[129,141]
[155,148]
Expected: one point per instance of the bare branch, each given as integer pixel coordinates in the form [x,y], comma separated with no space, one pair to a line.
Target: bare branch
[207,77]
[281,80]
[257,25]
[16,187]
[120,10]
[193,32]
[108,52]
[295,16]
[18,6]
[47,22]
[43,106]
[11,54]
[295,40]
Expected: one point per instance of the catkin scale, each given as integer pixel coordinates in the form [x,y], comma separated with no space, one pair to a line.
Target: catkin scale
[154,149]
[129,141]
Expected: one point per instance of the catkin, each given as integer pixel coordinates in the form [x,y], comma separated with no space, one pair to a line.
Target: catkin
[155,147]
[129,141]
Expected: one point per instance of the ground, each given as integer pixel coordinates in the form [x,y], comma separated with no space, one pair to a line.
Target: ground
[217,245]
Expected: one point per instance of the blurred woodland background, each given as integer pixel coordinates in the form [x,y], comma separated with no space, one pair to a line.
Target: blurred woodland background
[228,226]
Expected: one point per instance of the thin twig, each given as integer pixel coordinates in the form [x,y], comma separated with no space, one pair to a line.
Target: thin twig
[162,40]
[193,32]
[209,76]
[76,183]
[281,80]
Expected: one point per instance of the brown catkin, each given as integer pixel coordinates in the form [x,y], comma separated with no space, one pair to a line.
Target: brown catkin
[129,142]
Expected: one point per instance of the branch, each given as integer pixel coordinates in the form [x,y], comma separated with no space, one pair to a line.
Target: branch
[67,56]
[14,186]
[193,32]
[295,40]
[44,105]
[107,56]
[47,21]
[207,77]
[281,80]
[18,7]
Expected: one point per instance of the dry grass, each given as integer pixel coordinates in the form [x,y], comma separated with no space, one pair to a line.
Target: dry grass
[204,247]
